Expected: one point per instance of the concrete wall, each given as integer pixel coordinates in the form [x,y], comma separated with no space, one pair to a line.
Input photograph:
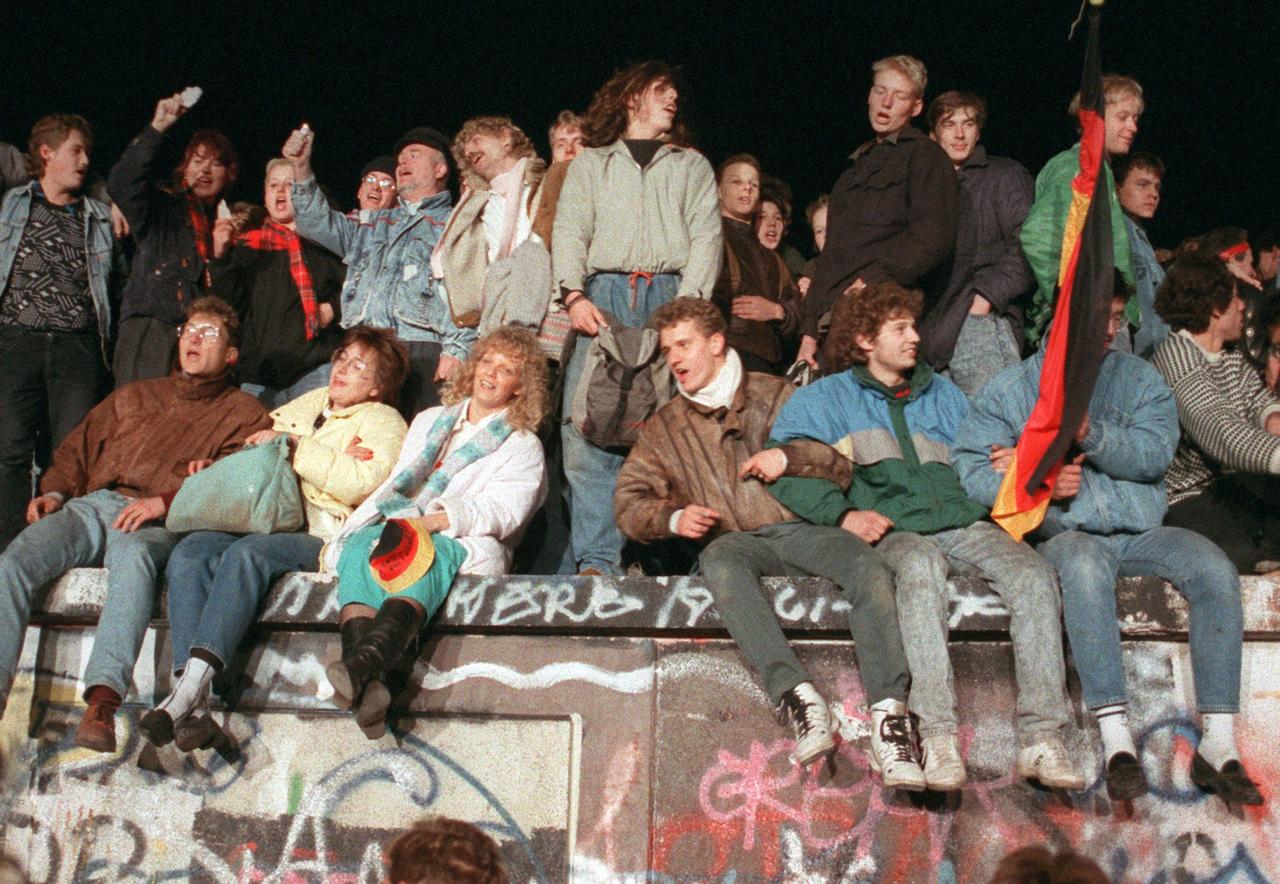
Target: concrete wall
[605,731]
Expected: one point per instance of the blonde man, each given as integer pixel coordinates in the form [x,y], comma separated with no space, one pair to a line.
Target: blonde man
[892,215]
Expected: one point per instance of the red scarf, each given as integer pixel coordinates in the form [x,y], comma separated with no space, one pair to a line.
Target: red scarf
[273,237]
[202,232]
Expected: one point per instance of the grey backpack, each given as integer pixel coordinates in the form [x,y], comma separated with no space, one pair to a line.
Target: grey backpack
[625,379]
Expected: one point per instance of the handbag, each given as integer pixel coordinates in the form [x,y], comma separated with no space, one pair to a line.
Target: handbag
[253,491]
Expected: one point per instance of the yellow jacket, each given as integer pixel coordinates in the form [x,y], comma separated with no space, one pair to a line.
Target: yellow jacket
[333,482]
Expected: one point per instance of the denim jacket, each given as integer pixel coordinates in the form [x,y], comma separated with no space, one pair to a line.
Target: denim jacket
[101,256]
[1147,276]
[388,254]
[1133,432]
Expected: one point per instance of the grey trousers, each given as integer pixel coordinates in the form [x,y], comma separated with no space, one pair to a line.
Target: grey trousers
[733,565]
[1027,585]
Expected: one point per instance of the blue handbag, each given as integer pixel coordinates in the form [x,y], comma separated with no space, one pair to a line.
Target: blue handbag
[253,491]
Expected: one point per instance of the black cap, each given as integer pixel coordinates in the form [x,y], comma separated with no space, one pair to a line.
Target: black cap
[423,135]
[385,164]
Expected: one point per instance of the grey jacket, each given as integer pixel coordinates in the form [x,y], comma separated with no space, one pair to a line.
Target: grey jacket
[614,217]
[995,197]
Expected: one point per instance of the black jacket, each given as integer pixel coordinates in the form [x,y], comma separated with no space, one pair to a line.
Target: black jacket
[892,217]
[995,197]
[274,350]
[167,272]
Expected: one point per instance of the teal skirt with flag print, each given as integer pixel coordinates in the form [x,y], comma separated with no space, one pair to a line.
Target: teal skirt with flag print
[358,582]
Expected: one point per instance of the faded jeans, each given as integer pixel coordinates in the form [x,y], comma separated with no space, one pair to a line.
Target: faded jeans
[1025,583]
[272,398]
[984,348]
[216,582]
[733,565]
[76,536]
[1088,565]
[592,472]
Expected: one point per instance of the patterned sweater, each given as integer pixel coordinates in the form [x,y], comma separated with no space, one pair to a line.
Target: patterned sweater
[1222,407]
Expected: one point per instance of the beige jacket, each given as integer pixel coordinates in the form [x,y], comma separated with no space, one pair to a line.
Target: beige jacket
[333,482]
[463,249]
[612,217]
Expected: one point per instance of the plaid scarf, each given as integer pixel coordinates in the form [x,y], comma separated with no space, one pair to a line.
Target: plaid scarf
[431,471]
[202,233]
[273,237]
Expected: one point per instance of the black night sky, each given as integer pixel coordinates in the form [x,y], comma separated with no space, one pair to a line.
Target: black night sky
[785,80]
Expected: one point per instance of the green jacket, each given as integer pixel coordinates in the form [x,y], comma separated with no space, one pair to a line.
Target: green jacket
[899,440]
[1042,237]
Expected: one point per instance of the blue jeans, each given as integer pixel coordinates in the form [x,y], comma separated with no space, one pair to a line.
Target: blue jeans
[272,399]
[592,473]
[1088,565]
[1023,580]
[76,536]
[217,580]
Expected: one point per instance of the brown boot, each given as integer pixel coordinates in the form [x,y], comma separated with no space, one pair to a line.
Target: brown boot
[97,729]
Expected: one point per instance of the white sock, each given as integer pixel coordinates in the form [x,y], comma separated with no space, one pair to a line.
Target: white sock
[1113,722]
[1218,742]
[889,706]
[191,690]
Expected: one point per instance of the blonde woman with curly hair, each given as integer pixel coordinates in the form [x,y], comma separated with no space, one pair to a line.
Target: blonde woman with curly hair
[469,478]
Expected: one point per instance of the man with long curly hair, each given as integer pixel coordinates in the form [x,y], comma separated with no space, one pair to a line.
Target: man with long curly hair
[637,224]
[469,478]
[897,421]
[492,218]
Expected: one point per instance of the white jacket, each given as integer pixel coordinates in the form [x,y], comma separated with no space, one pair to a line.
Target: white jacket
[488,502]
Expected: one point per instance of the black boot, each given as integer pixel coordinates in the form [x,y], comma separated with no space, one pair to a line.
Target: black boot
[347,683]
[393,628]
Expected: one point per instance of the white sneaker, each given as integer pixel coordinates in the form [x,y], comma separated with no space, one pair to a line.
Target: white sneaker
[804,709]
[1048,762]
[943,768]
[893,753]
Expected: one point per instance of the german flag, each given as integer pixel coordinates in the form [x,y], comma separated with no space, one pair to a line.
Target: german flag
[1077,336]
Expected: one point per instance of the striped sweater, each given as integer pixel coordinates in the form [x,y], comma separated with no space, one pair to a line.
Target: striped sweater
[1222,407]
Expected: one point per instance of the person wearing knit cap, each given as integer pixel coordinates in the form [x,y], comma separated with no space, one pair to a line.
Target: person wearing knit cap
[377,185]
[387,253]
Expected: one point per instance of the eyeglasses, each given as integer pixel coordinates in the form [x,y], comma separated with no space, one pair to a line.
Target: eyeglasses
[343,359]
[203,331]
[378,182]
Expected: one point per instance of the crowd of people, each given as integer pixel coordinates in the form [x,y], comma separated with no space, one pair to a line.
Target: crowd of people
[619,355]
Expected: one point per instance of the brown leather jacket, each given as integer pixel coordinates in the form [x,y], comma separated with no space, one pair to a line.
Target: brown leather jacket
[140,439]
[688,454]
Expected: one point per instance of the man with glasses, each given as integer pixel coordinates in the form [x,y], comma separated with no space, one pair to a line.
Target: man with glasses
[377,186]
[104,498]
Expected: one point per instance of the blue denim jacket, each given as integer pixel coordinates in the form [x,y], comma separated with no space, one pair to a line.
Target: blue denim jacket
[388,256]
[1133,433]
[100,250]
[1147,276]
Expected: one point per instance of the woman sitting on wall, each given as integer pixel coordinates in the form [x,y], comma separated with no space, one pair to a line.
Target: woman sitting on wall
[344,438]
[469,479]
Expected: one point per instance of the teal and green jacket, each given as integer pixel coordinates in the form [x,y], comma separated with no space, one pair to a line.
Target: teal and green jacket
[899,440]
[1042,237]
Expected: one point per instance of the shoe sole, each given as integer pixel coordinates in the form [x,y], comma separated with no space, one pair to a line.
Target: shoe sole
[94,744]
[1126,795]
[944,785]
[343,687]
[1068,785]
[203,733]
[157,727]
[371,714]
[904,785]
[824,749]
